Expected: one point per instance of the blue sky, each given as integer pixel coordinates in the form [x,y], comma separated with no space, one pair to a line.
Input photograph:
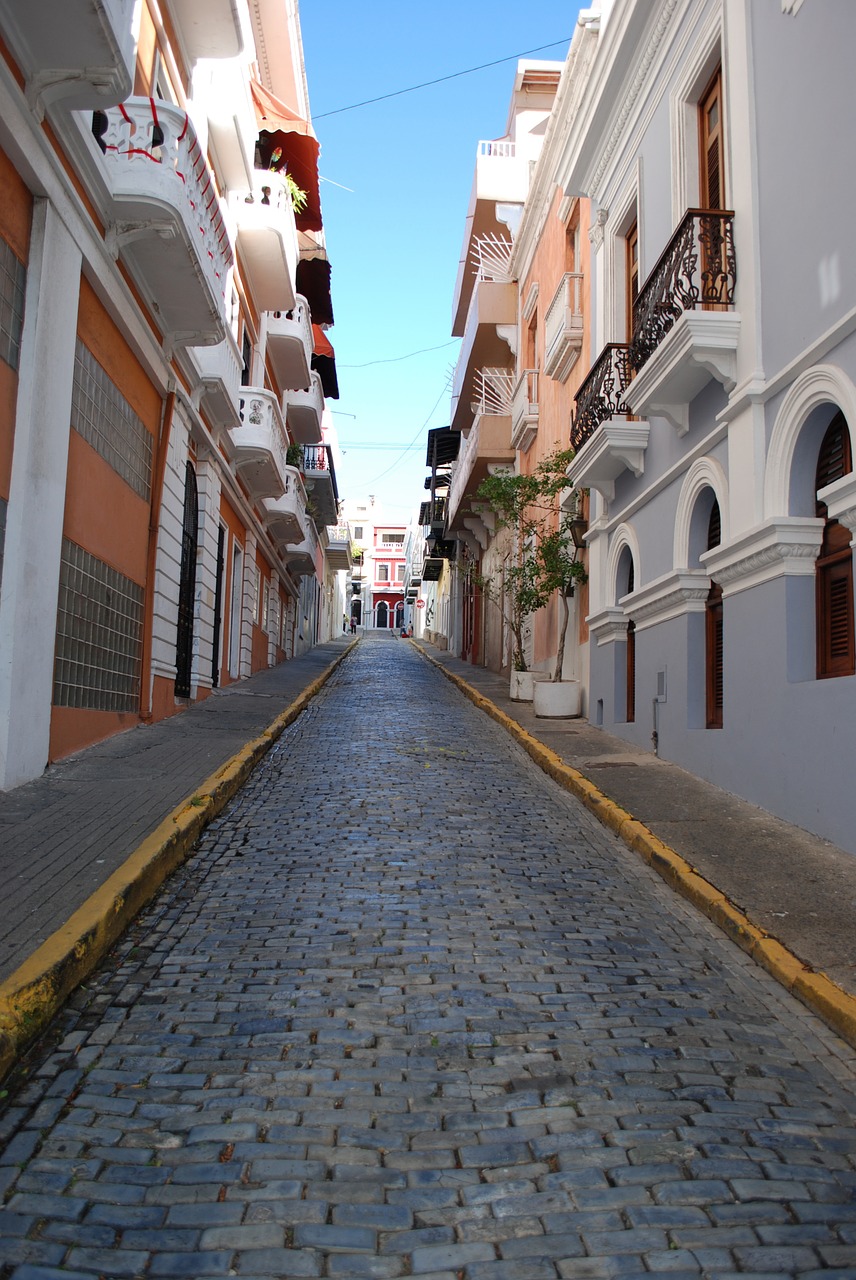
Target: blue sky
[395,237]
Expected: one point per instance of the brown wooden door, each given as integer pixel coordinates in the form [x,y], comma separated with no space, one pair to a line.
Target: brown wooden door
[710,127]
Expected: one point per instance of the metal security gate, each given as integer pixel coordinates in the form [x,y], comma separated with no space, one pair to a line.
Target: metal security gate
[187,585]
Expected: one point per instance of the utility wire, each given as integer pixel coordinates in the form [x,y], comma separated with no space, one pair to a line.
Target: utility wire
[394,359]
[440,79]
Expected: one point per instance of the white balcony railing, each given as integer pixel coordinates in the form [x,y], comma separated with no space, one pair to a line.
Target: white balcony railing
[563,327]
[304,411]
[289,342]
[524,410]
[219,370]
[285,516]
[259,444]
[165,215]
[497,147]
[267,240]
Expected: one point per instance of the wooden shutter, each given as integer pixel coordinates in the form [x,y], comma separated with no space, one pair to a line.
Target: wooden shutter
[631,672]
[710,129]
[714,658]
[836,634]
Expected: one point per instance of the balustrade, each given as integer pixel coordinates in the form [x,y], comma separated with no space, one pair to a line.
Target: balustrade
[601,396]
[697,270]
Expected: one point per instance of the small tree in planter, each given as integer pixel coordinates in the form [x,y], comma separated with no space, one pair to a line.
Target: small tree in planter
[545,555]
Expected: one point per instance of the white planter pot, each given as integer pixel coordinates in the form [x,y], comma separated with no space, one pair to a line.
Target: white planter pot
[523,683]
[557,700]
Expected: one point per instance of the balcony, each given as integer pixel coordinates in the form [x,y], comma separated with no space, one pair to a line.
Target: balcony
[285,516]
[490,329]
[259,444]
[80,52]
[605,441]
[563,327]
[208,28]
[321,483]
[685,331]
[300,558]
[338,547]
[221,91]
[219,372]
[432,515]
[164,217]
[501,178]
[488,443]
[289,344]
[267,241]
[304,410]
[524,410]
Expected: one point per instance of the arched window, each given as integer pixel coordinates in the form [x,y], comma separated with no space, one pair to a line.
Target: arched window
[630,715]
[836,649]
[713,632]
[187,585]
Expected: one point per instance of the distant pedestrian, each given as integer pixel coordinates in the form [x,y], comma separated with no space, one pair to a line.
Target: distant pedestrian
[344,623]
[353,626]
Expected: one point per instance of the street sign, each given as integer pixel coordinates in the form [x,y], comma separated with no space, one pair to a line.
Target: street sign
[420,604]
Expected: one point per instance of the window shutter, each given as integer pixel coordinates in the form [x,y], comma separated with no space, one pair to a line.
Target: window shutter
[714,658]
[631,671]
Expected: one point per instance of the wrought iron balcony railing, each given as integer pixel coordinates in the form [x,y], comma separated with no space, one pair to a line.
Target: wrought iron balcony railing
[697,270]
[601,396]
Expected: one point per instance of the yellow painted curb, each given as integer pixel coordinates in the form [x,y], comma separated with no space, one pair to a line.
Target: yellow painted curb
[823,996]
[31,996]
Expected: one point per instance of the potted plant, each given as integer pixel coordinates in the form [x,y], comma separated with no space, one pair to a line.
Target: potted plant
[544,564]
[294,456]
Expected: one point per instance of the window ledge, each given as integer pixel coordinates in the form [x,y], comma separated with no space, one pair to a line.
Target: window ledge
[617,445]
[783,546]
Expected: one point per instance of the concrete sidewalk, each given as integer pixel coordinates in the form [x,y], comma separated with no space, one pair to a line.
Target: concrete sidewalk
[781,884]
[86,845]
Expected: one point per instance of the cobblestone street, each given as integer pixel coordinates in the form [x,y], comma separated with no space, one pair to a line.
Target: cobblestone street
[411,1011]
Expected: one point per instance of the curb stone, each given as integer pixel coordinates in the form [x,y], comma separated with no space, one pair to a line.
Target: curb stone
[815,990]
[34,993]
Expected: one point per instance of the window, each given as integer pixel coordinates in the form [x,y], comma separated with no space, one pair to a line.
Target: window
[257,595]
[713,633]
[13,279]
[247,357]
[630,715]
[383,573]
[399,572]
[358,533]
[187,585]
[836,648]
[712,184]
[99,635]
[105,419]
[630,709]
[632,269]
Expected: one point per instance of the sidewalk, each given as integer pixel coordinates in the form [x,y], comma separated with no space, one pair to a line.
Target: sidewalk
[788,887]
[83,847]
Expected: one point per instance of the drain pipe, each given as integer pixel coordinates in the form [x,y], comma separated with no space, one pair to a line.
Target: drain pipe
[655,736]
[159,471]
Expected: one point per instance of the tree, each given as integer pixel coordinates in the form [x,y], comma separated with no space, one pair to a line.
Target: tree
[544,553]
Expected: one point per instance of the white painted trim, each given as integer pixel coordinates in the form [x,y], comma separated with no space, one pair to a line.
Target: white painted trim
[624,536]
[673,595]
[787,546]
[705,473]
[823,384]
[684,99]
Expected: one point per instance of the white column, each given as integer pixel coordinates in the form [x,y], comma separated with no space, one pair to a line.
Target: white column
[249,605]
[208,489]
[34,519]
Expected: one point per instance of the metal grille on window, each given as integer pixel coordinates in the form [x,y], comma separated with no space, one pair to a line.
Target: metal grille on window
[102,415]
[13,279]
[187,585]
[99,636]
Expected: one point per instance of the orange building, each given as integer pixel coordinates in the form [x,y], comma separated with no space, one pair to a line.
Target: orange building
[166,459]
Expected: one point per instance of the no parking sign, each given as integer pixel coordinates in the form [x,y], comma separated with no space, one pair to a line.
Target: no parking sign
[420,604]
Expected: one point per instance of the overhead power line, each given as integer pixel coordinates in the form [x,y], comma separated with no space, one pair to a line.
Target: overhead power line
[426,84]
[395,359]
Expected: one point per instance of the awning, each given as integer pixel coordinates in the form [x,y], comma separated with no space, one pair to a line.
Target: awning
[324,362]
[313,281]
[282,129]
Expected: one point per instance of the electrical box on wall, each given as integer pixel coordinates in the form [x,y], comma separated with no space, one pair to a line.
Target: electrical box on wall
[661,686]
